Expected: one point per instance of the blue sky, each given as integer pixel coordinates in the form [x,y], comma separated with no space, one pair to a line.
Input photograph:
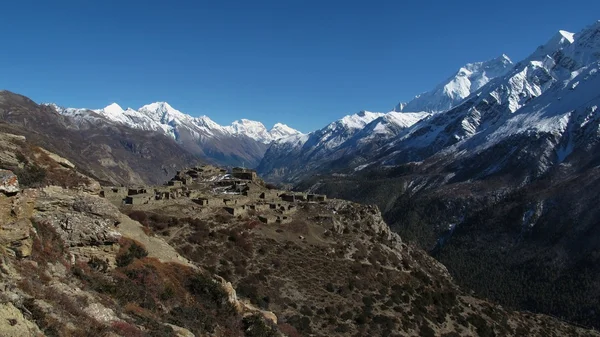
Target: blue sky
[303,63]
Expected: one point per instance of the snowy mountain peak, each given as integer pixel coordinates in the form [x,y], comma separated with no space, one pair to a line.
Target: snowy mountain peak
[161,116]
[465,81]
[163,113]
[358,120]
[279,131]
[253,129]
[567,35]
[113,109]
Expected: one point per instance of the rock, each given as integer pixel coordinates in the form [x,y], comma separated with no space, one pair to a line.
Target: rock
[96,205]
[16,236]
[179,331]
[23,248]
[62,161]
[79,218]
[80,229]
[14,324]
[100,313]
[15,231]
[9,183]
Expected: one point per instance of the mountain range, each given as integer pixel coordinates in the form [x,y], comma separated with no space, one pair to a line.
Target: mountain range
[502,187]
[495,171]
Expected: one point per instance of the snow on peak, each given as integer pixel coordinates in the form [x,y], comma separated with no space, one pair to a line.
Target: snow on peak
[163,113]
[113,109]
[451,92]
[559,41]
[253,129]
[567,35]
[160,116]
[280,130]
[358,120]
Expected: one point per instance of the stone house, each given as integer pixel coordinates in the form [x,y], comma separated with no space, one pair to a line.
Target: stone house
[175,183]
[244,173]
[293,197]
[139,199]
[269,195]
[316,197]
[259,207]
[267,219]
[206,201]
[236,210]
[113,192]
[283,219]
[137,190]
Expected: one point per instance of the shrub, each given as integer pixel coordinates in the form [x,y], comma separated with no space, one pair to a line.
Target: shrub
[301,323]
[98,264]
[131,250]
[31,175]
[208,292]
[255,326]
[426,331]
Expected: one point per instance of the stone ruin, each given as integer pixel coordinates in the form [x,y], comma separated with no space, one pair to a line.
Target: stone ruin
[209,186]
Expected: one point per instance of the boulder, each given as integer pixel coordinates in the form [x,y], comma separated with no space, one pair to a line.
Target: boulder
[60,160]
[100,313]
[16,236]
[9,183]
[14,324]
[80,229]
[179,331]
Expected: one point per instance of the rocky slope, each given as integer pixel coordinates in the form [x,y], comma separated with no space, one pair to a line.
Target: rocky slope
[74,265]
[109,152]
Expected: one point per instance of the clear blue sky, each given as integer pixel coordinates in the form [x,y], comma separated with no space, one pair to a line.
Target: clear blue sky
[303,63]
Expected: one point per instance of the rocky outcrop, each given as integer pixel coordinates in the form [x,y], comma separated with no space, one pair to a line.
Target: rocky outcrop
[62,161]
[79,218]
[9,183]
[14,324]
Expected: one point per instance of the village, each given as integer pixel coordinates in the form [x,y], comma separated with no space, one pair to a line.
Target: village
[237,192]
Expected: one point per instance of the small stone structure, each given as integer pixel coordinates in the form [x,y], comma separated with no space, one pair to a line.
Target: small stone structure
[293,197]
[206,201]
[244,173]
[137,190]
[267,219]
[283,219]
[114,193]
[176,183]
[316,197]
[236,210]
[140,199]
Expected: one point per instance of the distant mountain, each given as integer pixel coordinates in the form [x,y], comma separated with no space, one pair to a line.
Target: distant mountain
[110,152]
[292,157]
[452,91]
[502,185]
[242,143]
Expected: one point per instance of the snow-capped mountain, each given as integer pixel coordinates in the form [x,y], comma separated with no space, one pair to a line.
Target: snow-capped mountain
[451,92]
[502,116]
[351,134]
[160,116]
[242,142]
[531,118]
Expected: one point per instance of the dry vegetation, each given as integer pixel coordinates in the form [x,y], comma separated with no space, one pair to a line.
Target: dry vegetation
[340,276]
